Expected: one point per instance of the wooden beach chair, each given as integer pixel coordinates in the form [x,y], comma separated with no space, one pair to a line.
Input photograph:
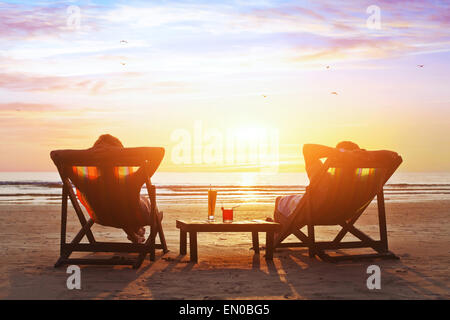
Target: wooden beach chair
[351,187]
[108,184]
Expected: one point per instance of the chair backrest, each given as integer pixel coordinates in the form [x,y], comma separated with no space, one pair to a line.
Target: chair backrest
[345,188]
[108,181]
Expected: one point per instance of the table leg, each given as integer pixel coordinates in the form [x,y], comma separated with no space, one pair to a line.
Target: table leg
[255,241]
[193,246]
[269,245]
[183,242]
[152,243]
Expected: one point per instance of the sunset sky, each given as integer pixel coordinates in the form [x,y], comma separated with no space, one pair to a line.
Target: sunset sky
[252,67]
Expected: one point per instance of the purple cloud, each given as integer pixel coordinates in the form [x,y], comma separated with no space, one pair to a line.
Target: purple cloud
[17,21]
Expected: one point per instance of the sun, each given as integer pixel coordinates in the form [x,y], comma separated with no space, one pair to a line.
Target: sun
[248,178]
[250,134]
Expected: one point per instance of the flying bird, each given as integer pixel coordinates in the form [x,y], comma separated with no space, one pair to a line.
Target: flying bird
[420,65]
[123,41]
[334,92]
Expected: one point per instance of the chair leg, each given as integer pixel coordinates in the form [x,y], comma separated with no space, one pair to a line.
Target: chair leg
[280,237]
[312,239]
[65,253]
[162,238]
[59,262]
[152,239]
[142,255]
[382,221]
[62,253]
[312,247]
[344,229]
[139,261]
[319,249]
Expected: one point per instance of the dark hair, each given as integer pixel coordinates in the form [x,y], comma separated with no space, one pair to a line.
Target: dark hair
[107,140]
[347,145]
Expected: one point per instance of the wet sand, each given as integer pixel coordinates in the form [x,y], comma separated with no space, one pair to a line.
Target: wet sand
[228,269]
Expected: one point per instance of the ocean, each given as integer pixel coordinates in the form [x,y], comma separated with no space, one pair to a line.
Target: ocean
[233,188]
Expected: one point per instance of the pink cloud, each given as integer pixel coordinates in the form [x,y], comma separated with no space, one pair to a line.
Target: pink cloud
[339,30]
[287,12]
[25,82]
[29,22]
[21,106]
[19,22]
[100,84]
[343,48]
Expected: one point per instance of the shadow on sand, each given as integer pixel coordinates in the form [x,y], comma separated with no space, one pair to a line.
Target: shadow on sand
[292,275]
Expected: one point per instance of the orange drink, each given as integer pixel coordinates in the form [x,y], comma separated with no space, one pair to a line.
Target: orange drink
[212,195]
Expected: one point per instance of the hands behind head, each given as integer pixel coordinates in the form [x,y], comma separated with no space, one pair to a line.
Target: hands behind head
[362,154]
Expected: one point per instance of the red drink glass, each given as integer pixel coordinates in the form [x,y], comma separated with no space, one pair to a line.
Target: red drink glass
[227,215]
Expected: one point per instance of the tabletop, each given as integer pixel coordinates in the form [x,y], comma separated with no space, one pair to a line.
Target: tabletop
[218,225]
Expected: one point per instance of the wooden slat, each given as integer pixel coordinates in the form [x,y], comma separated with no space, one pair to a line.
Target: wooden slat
[110,157]
[292,245]
[84,231]
[365,239]
[242,226]
[109,247]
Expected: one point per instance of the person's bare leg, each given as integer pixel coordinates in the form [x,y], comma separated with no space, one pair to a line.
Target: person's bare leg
[134,237]
[146,210]
[141,231]
[131,236]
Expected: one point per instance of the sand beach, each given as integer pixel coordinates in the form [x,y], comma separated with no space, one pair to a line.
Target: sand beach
[227,268]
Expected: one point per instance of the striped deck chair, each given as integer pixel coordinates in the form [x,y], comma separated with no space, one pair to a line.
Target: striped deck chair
[350,188]
[108,183]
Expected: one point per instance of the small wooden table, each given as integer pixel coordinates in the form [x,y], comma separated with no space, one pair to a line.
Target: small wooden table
[253,226]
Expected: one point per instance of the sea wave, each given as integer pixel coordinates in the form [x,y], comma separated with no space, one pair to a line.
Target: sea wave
[171,194]
[32,183]
[222,186]
[47,189]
